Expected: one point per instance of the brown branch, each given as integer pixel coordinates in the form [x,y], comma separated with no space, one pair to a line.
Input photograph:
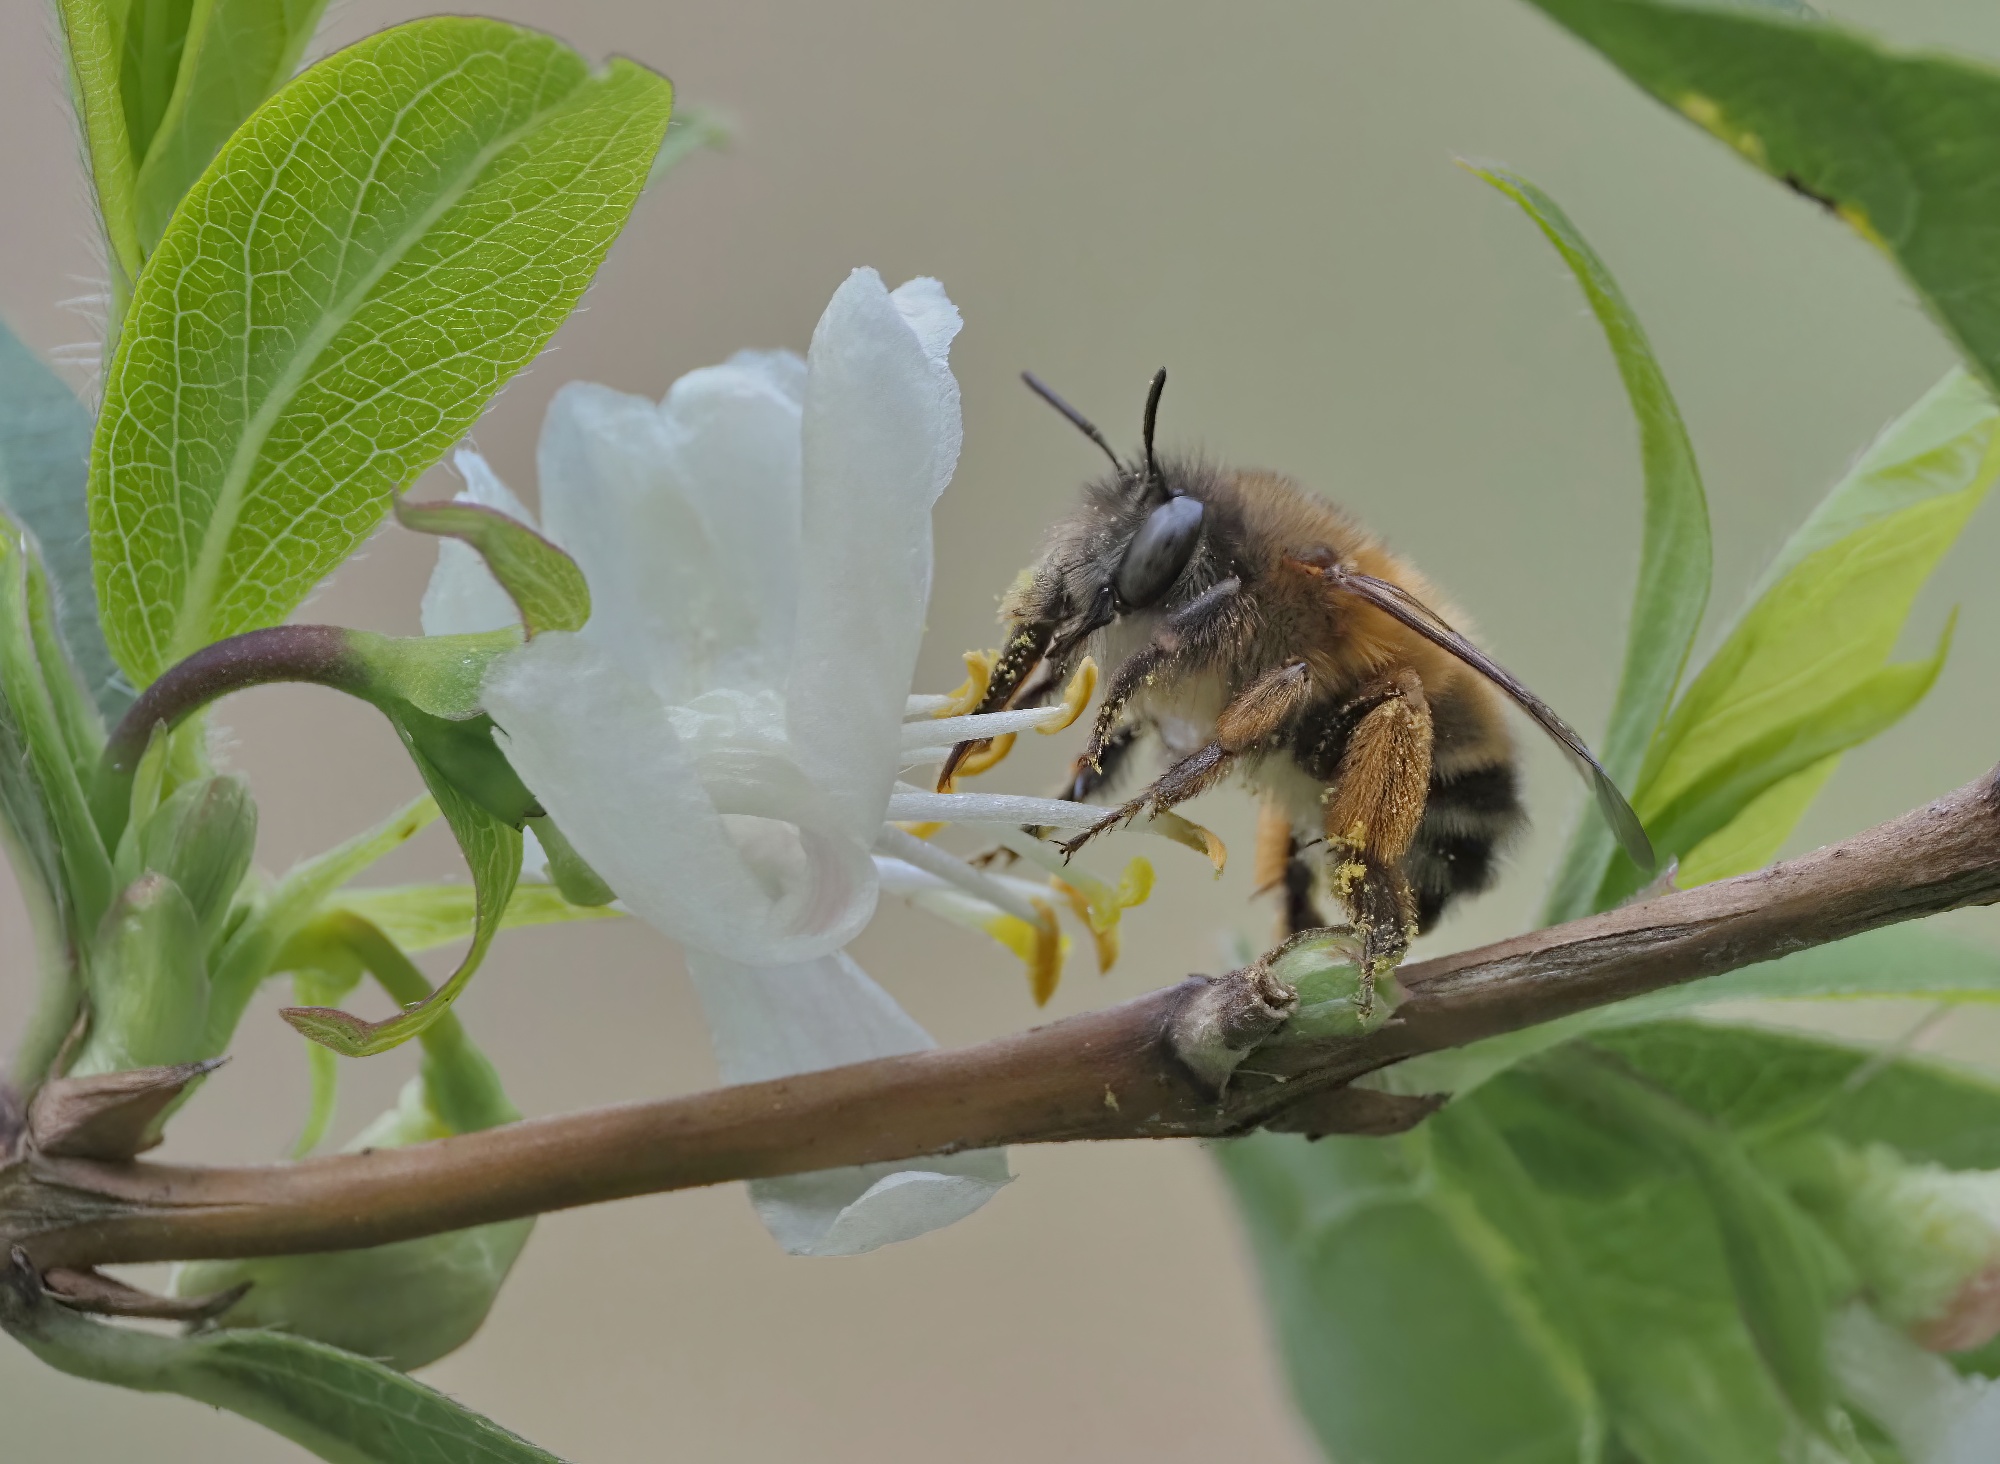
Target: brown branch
[1146,1069]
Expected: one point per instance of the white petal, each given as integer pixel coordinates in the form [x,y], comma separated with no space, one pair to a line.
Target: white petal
[685,519]
[773,1021]
[463,598]
[881,439]
[771,882]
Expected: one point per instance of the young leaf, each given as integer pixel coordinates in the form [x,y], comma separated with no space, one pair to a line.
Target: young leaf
[491,843]
[1902,147]
[44,457]
[233,54]
[1804,673]
[284,371]
[93,39]
[543,582]
[422,917]
[343,1408]
[1674,555]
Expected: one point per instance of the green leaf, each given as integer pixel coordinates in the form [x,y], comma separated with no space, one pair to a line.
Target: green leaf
[94,42]
[232,55]
[543,582]
[422,917]
[1753,838]
[1382,1279]
[284,371]
[343,1408]
[44,458]
[1805,674]
[491,844]
[1902,147]
[1674,555]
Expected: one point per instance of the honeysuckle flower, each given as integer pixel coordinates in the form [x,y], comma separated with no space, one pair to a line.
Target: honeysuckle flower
[722,740]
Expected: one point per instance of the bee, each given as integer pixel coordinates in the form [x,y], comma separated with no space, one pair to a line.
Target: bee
[1252,627]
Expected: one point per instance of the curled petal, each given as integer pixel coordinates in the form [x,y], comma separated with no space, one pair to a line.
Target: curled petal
[744,878]
[772,1021]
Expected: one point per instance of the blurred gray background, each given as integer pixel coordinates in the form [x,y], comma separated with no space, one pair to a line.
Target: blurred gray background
[1261,197]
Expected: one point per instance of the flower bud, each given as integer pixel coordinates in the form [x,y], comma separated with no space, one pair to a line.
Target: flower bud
[202,839]
[1323,967]
[148,982]
[1924,1239]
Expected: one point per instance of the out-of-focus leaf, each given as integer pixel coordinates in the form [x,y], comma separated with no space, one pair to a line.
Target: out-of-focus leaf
[343,1408]
[233,54]
[1903,147]
[692,130]
[1674,554]
[1913,961]
[1753,838]
[1383,1280]
[283,371]
[422,917]
[543,582]
[1805,674]
[44,459]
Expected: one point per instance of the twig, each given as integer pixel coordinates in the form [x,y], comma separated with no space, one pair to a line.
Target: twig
[1131,1071]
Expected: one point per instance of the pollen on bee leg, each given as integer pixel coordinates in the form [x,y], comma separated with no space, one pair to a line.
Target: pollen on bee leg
[1076,696]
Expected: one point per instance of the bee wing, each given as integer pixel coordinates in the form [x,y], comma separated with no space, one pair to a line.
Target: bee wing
[1395,601]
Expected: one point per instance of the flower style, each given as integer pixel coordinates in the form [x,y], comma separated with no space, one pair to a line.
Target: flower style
[722,740]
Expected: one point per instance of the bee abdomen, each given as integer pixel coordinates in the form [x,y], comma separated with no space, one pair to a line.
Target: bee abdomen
[1470,815]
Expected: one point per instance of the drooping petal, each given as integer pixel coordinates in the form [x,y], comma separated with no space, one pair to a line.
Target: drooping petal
[881,440]
[463,598]
[743,878]
[773,1021]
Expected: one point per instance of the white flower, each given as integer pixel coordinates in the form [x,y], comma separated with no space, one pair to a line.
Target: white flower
[721,741]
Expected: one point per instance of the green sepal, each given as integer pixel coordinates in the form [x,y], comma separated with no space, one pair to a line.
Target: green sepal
[543,582]
[341,1407]
[579,883]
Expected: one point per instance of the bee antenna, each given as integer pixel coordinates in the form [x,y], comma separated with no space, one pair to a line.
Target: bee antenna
[1152,416]
[1077,420]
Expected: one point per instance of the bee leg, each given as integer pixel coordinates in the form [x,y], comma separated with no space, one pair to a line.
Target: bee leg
[1254,716]
[1189,631]
[1087,777]
[1372,811]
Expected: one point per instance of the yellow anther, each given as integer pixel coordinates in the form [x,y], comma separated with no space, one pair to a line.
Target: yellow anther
[1076,696]
[1099,905]
[1040,946]
[970,692]
[982,758]
[921,830]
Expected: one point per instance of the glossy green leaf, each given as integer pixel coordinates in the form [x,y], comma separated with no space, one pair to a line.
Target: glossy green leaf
[491,845]
[232,55]
[44,459]
[543,582]
[1674,556]
[1383,1279]
[283,371]
[1901,146]
[341,1407]
[423,917]
[1804,674]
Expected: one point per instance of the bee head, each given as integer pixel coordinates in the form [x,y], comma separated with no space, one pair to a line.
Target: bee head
[1158,547]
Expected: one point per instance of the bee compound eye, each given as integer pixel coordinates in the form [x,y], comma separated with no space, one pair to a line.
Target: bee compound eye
[1159,551]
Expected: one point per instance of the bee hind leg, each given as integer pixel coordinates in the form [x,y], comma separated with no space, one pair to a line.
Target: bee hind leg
[1372,811]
